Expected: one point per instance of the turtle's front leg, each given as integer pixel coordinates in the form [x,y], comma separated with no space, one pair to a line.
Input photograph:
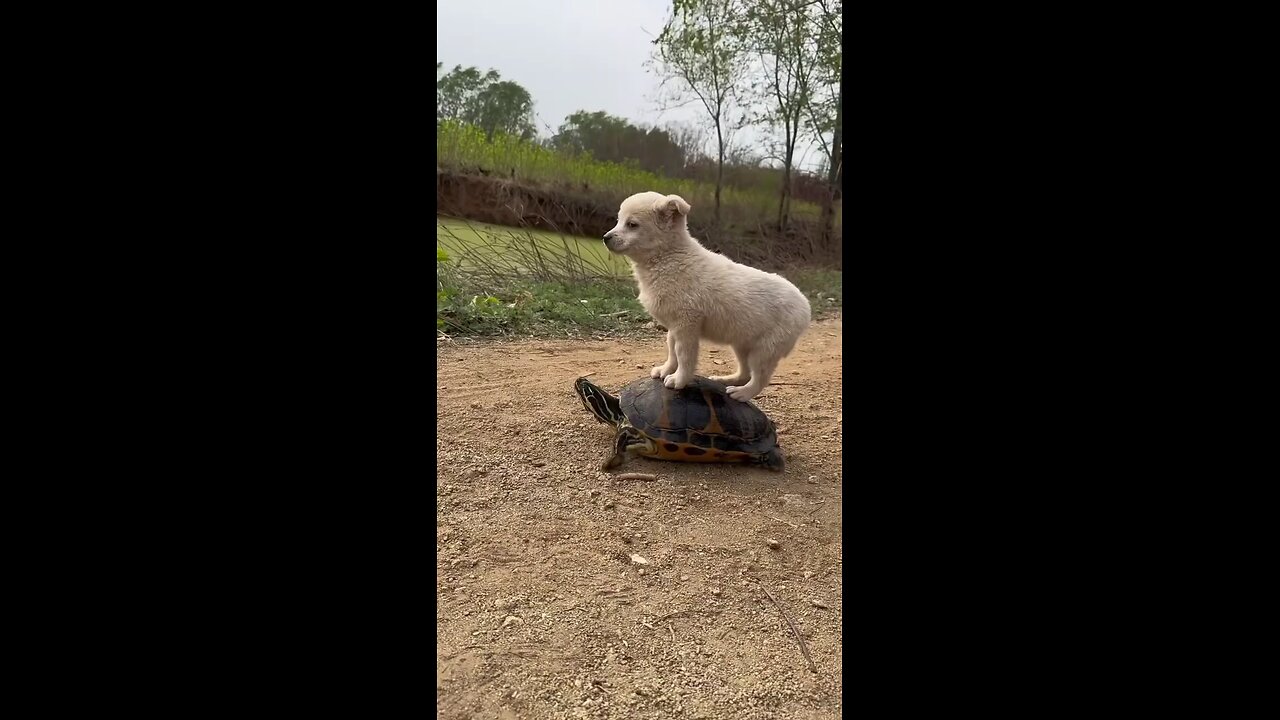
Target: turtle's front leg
[628,438]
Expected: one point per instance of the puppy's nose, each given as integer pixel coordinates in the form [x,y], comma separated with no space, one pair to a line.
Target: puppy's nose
[608,235]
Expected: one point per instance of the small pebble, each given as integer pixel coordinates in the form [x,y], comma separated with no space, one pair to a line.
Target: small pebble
[773,543]
[715,591]
[641,571]
[608,505]
[475,404]
[684,578]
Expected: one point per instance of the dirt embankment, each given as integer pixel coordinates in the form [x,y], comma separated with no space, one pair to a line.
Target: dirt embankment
[542,612]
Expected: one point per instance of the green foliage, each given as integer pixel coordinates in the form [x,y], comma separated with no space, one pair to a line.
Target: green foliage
[538,308]
[613,139]
[465,148]
[822,286]
[484,100]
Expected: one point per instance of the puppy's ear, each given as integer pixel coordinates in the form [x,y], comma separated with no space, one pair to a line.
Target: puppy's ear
[671,207]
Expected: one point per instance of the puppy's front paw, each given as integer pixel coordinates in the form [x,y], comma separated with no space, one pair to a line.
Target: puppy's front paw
[675,381]
[661,371]
[742,394]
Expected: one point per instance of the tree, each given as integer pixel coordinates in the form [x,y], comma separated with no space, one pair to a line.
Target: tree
[785,37]
[691,139]
[484,100]
[701,48]
[503,107]
[613,139]
[825,112]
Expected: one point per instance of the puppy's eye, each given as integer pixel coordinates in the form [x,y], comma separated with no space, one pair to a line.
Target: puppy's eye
[632,223]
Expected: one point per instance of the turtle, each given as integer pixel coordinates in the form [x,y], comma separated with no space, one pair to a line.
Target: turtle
[699,423]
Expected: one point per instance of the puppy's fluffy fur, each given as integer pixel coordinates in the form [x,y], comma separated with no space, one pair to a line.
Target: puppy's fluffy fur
[698,294]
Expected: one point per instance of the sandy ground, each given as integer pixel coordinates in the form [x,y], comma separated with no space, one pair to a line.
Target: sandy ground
[541,610]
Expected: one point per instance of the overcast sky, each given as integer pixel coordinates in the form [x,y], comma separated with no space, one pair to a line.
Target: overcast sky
[569,54]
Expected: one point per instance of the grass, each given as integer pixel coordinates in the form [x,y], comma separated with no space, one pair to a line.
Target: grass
[494,249]
[493,280]
[497,281]
[465,148]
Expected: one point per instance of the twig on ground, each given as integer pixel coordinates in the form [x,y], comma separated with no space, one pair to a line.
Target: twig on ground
[803,647]
[673,632]
[593,372]
[677,613]
[784,522]
[637,476]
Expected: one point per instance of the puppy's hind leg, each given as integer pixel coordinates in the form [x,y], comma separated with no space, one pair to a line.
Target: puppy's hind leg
[660,372]
[686,343]
[740,354]
[762,367]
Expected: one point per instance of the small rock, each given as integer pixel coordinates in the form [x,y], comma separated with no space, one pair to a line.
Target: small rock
[501,604]
[813,479]
[511,620]
[638,560]
[641,571]
[773,543]
[715,591]
[818,603]
[608,505]
[684,578]
[807,574]
[595,492]
[475,405]
[639,367]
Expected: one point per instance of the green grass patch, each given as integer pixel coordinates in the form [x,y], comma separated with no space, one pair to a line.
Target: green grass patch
[823,287]
[498,250]
[497,281]
[539,308]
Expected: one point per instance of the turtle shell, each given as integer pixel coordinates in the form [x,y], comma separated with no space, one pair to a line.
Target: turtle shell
[701,416]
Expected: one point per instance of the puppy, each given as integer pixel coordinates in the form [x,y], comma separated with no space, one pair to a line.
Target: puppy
[698,294]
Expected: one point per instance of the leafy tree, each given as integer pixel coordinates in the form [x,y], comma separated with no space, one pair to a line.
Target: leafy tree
[701,48]
[613,139]
[484,100]
[784,36]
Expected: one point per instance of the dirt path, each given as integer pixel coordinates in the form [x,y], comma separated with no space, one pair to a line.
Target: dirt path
[528,527]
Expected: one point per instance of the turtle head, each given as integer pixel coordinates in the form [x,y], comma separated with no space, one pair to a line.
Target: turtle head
[606,407]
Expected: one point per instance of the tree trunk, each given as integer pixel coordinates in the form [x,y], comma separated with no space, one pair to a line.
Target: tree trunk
[719,169]
[834,174]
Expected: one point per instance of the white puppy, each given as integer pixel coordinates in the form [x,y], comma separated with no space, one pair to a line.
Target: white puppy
[699,294]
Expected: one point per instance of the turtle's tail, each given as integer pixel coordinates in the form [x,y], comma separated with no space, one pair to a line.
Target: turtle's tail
[773,460]
[606,407]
